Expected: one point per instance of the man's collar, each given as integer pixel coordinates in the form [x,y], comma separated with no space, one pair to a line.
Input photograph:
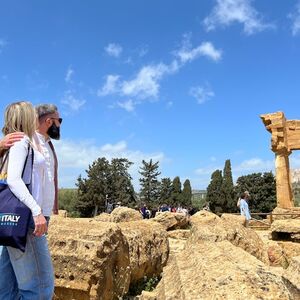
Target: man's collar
[42,137]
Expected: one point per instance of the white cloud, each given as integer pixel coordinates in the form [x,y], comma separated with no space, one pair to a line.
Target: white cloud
[69,74]
[114,50]
[253,165]
[128,105]
[76,156]
[114,148]
[110,86]
[146,83]
[227,12]
[73,103]
[143,51]
[201,93]
[208,170]
[295,17]
[188,54]
[3,44]
[170,104]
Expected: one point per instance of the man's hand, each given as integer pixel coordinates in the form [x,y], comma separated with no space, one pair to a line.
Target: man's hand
[10,139]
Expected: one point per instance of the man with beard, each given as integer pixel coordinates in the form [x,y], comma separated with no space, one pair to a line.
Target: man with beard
[49,128]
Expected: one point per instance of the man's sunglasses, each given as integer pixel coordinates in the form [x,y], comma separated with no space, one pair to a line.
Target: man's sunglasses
[59,119]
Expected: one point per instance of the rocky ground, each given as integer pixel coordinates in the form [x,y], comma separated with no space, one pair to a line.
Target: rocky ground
[202,257]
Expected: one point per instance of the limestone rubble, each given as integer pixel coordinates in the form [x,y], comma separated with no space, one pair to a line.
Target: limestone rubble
[99,260]
[213,258]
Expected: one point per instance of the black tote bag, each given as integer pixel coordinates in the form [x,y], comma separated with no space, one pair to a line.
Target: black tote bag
[14,214]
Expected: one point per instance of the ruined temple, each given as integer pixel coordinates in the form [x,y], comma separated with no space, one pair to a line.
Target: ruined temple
[285,139]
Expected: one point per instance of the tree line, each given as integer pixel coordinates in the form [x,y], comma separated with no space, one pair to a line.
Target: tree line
[222,194]
[109,182]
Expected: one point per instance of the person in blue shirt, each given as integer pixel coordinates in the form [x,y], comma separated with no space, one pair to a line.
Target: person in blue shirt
[244,207]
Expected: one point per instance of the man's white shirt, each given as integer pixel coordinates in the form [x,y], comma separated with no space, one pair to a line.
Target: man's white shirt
[48,193]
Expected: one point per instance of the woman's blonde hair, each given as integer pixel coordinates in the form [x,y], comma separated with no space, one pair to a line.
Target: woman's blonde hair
[20,116]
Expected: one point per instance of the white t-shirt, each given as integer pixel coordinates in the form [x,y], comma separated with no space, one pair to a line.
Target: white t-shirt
[37,201]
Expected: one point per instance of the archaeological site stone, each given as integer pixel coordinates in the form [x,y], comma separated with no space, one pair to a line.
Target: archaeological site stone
[90,259]
[285,138]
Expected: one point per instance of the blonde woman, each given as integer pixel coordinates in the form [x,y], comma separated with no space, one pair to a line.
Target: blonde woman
[27,275]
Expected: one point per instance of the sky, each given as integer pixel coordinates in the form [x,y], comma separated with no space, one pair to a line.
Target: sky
[180,82]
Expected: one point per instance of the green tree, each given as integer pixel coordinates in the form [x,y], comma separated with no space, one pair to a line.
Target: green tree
[176,192]
[67,199]
[120,188]
[296,193]
[262,189]
[92,190]
[214,194]
[84,203]
[186,195]
[165,190]
[229,204]
[149,182]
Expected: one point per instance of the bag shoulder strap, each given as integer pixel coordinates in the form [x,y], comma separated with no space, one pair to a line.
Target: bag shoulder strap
[28,165]
[4,159]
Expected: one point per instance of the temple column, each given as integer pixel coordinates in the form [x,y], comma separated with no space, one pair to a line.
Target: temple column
[283,181]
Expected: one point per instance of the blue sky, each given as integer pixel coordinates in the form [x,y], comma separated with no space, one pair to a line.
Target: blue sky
[182,82]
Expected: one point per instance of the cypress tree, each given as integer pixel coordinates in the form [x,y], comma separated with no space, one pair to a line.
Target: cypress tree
[186,195]
[214,192]
[229,204]
[176,192]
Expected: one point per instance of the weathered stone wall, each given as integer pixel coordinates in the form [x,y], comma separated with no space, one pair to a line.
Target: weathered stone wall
[99,260]
[220,262]
[90,259]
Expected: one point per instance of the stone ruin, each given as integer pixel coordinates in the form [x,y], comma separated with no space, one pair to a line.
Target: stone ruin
[200,257]
[285,139]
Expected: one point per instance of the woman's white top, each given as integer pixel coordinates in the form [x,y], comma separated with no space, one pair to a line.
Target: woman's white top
[16,160]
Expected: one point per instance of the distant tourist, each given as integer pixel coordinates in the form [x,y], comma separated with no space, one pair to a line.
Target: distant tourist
[244,207]
[206,206]
[154,210]
[164,207]
[145,212]
[109,207]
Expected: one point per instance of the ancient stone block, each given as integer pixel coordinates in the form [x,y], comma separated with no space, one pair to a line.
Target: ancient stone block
[91,259]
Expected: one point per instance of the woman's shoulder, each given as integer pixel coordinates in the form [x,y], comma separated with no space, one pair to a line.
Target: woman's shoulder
[24,142]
